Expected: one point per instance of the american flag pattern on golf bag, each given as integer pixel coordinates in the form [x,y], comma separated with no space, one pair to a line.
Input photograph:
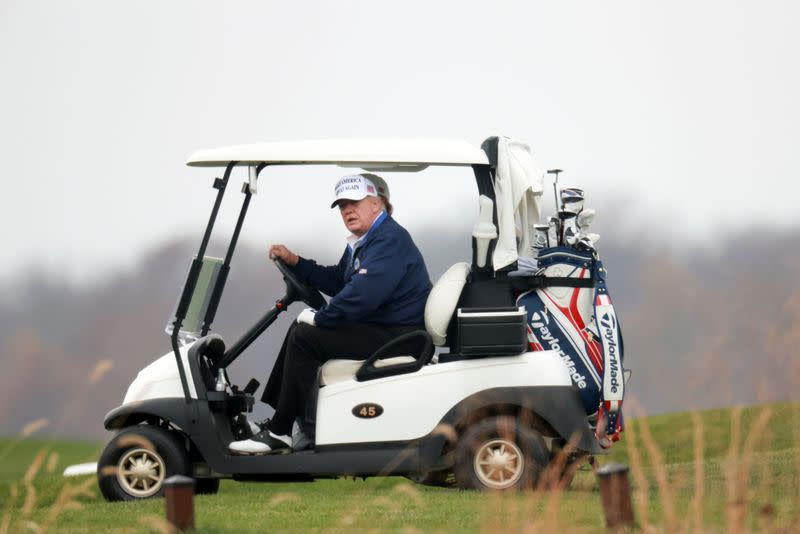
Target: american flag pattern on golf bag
[581,325]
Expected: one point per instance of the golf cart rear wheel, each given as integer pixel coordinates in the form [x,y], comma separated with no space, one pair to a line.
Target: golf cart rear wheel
[499,454]
[136,462]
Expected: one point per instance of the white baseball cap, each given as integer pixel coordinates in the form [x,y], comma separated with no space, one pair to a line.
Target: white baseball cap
[354,187]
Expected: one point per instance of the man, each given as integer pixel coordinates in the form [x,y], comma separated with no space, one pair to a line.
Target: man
[379,289]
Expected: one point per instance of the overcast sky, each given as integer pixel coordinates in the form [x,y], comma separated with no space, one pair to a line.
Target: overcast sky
[687,110]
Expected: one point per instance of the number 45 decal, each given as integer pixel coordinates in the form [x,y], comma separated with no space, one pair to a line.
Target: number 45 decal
[368,410]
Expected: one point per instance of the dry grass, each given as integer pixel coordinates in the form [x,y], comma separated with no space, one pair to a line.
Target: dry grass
[68,496]
[669,495]
[748,481]
[660,468]
[696,504]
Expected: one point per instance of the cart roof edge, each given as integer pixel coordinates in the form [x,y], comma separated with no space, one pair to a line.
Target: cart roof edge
[378,154]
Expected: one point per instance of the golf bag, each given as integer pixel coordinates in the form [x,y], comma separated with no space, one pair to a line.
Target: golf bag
[573,315]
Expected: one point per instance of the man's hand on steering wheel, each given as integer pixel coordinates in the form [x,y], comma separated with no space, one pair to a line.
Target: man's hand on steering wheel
[295,288]
[280,251]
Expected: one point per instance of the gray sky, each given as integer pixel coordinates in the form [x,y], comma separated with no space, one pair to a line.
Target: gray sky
[688,110]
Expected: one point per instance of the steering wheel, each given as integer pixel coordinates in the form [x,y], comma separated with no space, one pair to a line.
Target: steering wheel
[297,290]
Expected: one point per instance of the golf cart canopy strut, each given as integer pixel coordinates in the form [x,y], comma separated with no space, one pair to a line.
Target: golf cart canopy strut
[194,273]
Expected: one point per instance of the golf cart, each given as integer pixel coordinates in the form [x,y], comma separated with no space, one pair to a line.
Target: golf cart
[486,407]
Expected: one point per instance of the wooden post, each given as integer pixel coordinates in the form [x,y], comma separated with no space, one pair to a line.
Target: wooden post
[615,491]
[179,497]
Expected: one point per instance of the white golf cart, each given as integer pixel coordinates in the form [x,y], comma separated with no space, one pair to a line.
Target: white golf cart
[486,409]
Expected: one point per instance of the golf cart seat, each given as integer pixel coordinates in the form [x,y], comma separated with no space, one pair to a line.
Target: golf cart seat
[439,310]
[442,301]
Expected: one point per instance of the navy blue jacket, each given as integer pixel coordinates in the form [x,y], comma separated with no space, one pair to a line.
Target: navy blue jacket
[385,283]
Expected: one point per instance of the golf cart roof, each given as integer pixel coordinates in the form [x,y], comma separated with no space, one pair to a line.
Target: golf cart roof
[372,154]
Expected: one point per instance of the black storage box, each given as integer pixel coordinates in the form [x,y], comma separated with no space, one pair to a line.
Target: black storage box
[491,331]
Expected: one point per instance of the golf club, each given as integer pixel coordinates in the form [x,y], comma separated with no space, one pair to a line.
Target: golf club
[540,236]
[555,172]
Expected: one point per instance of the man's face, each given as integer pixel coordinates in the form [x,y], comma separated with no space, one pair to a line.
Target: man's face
[358,215]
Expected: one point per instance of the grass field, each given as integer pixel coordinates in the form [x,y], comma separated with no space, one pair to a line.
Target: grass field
[720,470]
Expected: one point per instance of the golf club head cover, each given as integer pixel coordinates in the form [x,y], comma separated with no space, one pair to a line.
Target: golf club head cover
[572,199]
[585,219]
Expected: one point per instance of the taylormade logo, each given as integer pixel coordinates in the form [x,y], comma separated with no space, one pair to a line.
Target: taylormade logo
[608,323]
[540,322]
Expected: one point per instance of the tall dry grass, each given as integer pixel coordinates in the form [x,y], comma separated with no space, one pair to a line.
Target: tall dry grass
[781,337]
[540,509]
[70,495]
[781,343]
[696,504]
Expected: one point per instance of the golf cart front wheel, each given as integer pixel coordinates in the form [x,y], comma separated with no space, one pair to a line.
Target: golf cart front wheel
[206,486]
[499,454]
[136,462]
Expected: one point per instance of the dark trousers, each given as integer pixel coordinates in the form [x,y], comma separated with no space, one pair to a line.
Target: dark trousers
[305,348]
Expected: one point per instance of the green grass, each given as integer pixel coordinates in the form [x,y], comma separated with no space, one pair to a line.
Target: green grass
[768,497]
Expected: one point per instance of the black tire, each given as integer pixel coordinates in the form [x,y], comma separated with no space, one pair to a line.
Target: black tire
[442,479]
[151,455]
[206,486]
[500,454]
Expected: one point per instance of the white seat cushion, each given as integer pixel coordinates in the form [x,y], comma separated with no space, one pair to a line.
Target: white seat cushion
[334,371]
[443,300]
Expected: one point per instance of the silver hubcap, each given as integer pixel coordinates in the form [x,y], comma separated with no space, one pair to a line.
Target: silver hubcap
[499,464]
[141,472]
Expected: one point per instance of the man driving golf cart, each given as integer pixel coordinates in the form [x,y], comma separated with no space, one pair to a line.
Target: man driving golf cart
[529,364]
[379,289]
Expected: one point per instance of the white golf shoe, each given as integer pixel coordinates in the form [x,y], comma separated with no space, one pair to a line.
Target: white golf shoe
[264,442]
